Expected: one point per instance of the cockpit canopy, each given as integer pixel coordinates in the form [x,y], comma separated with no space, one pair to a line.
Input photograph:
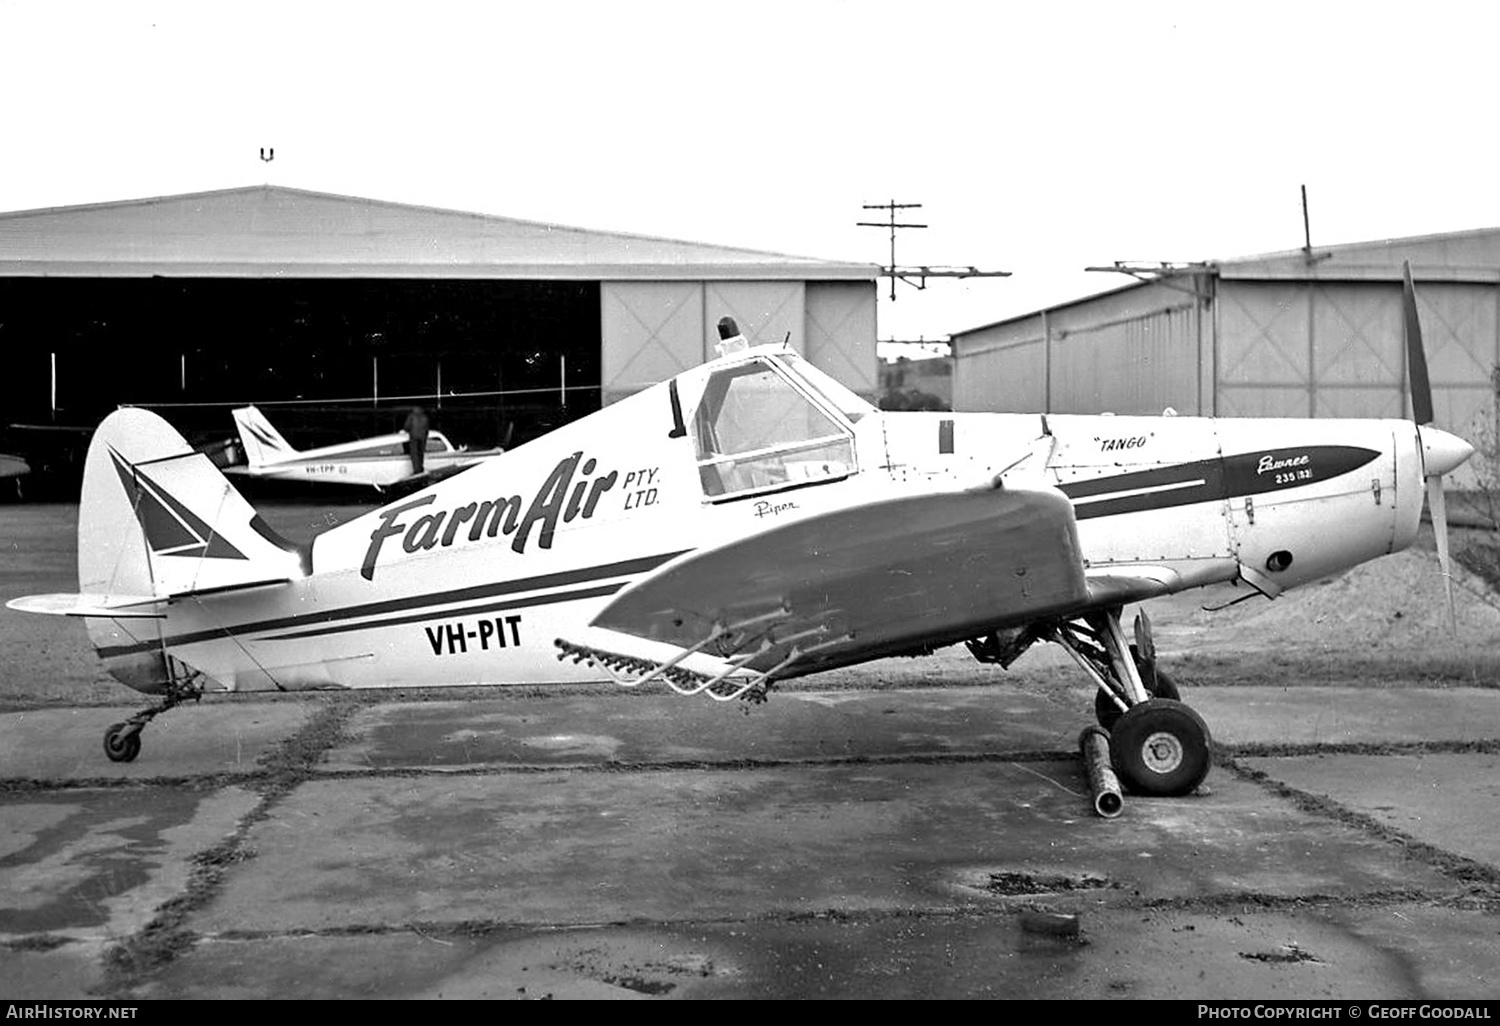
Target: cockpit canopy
[773,422]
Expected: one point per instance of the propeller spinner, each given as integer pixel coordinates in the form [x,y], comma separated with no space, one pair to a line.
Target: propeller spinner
[1442,452]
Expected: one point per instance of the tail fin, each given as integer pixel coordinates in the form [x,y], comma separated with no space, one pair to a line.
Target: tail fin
[263,443]
[157,524]
[157,518]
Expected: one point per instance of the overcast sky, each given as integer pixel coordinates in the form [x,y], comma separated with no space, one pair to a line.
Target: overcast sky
[1039,137]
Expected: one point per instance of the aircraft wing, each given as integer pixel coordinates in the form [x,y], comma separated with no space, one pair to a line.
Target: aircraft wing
[879,578]
[1116,588]
[432,475]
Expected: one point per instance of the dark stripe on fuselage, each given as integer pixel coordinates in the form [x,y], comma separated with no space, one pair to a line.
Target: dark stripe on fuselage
[1183,484]
[442,598]
[494,607]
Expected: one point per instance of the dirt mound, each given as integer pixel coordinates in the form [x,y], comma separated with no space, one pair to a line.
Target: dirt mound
[1393,605]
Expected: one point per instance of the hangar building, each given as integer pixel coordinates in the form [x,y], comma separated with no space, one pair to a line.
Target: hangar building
[1281,335]
[338,313]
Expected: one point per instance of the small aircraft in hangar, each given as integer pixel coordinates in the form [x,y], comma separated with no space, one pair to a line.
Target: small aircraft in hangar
[13,466]
[379,462]
[746,522]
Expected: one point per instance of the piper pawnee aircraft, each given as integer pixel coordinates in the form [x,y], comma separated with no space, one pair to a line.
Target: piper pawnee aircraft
[379,462]
[746,522]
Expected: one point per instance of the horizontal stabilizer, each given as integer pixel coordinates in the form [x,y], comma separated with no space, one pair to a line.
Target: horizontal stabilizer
[112,607]
[124,607]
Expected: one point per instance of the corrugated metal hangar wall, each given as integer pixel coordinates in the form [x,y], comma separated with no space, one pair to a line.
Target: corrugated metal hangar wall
[652,330]
[1135,350]
[306,301]
[1273,336]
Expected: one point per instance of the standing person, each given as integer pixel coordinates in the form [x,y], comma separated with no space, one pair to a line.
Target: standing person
[416,437]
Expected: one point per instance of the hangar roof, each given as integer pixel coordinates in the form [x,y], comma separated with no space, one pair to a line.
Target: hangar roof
[266,230]
[1451,256]
[1468,256]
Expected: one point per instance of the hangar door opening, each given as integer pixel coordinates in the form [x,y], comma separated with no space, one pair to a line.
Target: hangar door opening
[494,362]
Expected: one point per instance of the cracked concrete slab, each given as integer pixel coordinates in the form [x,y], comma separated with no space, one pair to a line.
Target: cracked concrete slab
[1442,799]
[82,870]
[1296,953]
[95,865]
[576,847]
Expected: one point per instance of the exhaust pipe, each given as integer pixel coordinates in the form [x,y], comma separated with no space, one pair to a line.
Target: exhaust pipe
[1104,786]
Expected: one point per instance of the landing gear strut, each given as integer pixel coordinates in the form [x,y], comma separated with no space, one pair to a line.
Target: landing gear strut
[122,741]
[1158,745]
[1158,685]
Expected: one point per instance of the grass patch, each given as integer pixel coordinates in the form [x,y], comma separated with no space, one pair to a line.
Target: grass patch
[1303,668]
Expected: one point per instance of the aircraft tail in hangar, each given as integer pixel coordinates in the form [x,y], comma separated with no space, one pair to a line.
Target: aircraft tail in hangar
[263,444]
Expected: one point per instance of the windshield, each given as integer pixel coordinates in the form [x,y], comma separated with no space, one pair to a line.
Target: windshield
[831,391]
[755,431]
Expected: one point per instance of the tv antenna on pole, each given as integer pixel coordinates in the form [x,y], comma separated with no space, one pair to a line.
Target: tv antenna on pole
[892,224]
[916,276]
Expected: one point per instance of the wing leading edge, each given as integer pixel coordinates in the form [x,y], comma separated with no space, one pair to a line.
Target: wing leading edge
[871,580]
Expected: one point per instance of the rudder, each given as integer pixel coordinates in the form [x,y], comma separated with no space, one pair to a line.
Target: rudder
[262,443]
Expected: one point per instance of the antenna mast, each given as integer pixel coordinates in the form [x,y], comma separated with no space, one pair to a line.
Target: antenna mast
[922,273]
[892,207]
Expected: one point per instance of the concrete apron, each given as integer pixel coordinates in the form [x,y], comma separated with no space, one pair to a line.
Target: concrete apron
[865,844]
[800,726]
[841,881]
[669,729]
[1393,951]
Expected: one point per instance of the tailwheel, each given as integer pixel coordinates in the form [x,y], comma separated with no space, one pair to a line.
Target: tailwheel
[122,742]
[1161,748]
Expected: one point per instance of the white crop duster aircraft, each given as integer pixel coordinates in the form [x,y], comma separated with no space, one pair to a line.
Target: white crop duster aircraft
[746,522]
[377,462]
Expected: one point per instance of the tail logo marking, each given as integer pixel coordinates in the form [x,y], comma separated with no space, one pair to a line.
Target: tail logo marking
[262,437]
[171,529]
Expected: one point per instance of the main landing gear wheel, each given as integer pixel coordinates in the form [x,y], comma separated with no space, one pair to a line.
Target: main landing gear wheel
[1158,685]
[122,742]
[1161,748]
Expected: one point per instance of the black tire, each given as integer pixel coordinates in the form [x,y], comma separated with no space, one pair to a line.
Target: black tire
[121,743]
[1161,748]
[1158,685]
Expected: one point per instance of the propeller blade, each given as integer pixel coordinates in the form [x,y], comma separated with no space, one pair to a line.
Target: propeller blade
[1437,506]
[1416,356]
